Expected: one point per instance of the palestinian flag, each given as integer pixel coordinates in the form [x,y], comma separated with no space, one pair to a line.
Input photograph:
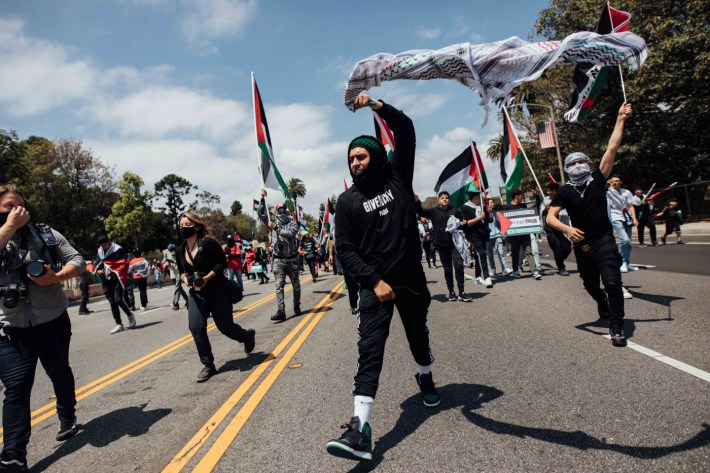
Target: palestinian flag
[255,205]
[511,163]
[589,80]
[458,178]
[384,134]
[270,176]
[479,172]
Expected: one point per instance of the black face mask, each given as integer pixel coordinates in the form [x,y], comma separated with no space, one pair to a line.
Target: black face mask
[187,232]
[3,218]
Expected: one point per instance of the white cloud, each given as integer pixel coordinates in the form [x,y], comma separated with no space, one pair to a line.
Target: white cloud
[164,111]
[209,19]
[428,33]
[37,75]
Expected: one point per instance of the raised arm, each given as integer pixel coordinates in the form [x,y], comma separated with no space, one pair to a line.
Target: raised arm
[609,157]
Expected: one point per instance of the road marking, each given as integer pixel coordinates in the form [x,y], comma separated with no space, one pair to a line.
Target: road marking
[215,453]
[692,370]
[200,438]
[48,410]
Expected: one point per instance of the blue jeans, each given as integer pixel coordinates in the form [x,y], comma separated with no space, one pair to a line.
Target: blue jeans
[48,343]
[235,275]
[623,232]
[496,244]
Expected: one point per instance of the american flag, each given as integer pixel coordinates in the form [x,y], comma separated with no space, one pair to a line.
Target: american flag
[544,132]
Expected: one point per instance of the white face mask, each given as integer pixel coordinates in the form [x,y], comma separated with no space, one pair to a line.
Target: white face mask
[578,170]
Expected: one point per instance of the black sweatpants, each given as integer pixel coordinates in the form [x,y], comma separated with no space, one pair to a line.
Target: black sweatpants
[429,252]
[601,259]
[647,222]
[212,300]
[478,251]
[142,284]
[412,300]
[518,243]
[560,245]
[114,294]
[453,264]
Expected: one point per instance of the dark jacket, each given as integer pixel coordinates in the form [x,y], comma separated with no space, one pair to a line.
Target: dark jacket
[376,231]
[439,217]
[210,257]
[285,245]
[480,230]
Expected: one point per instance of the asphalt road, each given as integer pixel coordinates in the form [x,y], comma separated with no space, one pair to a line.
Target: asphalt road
[528,383]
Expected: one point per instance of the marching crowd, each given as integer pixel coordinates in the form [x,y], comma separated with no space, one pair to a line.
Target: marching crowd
[380,230]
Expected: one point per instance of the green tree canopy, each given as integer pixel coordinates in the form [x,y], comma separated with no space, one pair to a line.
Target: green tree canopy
[14,166]
[236,208]
[131,218]
[172,188]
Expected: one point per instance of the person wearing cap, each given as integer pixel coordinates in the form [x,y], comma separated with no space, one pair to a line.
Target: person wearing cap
[285,254]
[585,199]
[377,239]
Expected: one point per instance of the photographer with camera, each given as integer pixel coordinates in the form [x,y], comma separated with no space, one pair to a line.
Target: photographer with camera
[202,263]
[34,323]
[112,267]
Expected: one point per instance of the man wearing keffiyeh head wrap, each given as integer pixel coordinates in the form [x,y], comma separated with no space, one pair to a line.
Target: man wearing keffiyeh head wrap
[377,240]
[595,249]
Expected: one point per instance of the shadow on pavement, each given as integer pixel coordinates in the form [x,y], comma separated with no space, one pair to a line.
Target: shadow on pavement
[147,325]
[244,364]
[414,414]
[101,431]
[655,298]
[603,325]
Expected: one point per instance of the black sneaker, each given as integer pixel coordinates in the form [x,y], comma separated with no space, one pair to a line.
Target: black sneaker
[353,444]
[618,339]
[452,297]
[67,429]
[250,342]
[430,397]
[279,317]
[464,298]
[206,373]
[12,462]
[355,311]
[563,272]
[297,311]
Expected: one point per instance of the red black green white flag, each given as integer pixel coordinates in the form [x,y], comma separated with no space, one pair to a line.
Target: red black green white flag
[384,134]
[589,80]
[270,175]
[462,176]
[511,163]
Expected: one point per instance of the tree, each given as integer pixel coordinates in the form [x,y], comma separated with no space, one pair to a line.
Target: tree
[172,188]
[131,217]
[495,148]
[14,166]
[205,200]
[666,140]
[296,189]
[236,208]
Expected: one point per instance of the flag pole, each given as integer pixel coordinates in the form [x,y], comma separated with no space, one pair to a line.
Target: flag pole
[505,110]
[557,146]
[482,190]
[621,75]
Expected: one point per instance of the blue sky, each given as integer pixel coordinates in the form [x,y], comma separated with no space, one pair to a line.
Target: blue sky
[159,87]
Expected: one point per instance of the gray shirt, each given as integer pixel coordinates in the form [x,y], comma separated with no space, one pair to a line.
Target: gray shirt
[39,304]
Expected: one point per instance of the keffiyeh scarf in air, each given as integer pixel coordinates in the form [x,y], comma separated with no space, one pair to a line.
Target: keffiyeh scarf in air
[460,243]
[495,69]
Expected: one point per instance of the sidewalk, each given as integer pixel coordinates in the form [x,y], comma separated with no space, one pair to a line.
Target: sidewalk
[694,228]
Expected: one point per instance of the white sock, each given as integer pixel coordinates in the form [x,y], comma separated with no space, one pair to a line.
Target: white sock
[362,408]
[424,369]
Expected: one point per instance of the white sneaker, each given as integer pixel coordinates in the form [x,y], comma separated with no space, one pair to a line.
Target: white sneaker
[131,321]
[118,328]
[632,267]
[624,268]
[143,309]
[488,282]
[627,294]
[479,280]
[508,272]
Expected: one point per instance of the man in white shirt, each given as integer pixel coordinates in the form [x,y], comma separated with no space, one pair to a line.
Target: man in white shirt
[623,218]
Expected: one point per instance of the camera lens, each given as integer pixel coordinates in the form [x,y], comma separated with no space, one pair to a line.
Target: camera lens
[12,297]
[36,268]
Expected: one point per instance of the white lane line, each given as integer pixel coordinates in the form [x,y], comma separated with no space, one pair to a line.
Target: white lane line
[692,370]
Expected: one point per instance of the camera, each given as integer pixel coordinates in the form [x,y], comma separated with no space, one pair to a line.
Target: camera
[196,280]
[12,293]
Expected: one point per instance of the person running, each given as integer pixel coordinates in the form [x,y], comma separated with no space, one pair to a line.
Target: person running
[450,258]
[378,243]
[623,220]
[112,267]
[644,215]
[584,198]
[202,263]
[285,254]
[674,219]
[521,244]
[139,268]
[478,234]
[559,243]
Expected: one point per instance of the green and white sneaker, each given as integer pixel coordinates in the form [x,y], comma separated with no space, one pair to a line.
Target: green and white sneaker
[430,396]
[353,444]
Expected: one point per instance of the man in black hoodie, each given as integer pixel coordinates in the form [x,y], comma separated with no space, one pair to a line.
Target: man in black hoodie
[378,243]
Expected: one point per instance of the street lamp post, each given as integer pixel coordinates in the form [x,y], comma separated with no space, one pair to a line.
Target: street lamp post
[554,132]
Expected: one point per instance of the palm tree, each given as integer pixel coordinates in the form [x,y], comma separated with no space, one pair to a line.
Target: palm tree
[296,188]
[495,148]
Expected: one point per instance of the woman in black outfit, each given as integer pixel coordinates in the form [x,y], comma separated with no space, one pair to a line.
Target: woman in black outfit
[202,263]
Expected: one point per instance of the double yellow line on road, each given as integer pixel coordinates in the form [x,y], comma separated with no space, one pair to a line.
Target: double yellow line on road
[225,439]
[83,392]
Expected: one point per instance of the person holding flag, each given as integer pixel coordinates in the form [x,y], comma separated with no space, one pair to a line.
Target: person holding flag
[378,243]
[585,199]
[644,215]
[112,267]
